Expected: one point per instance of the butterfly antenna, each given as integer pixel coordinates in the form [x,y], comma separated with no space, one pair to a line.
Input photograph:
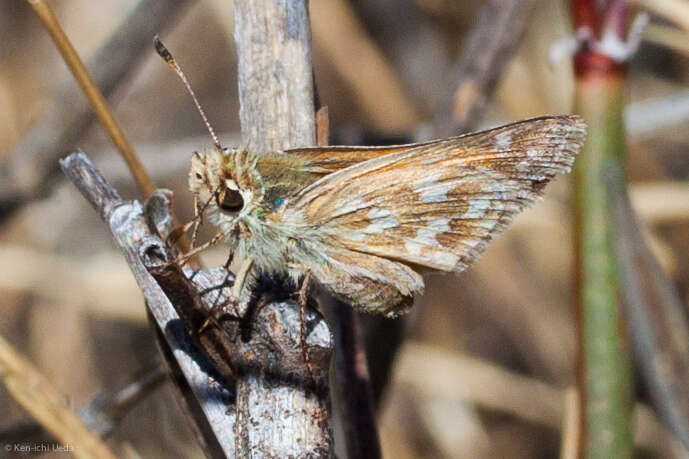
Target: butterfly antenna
[165,54]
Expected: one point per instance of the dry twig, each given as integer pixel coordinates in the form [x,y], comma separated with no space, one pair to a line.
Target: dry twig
[491,42]
[35,393]
[357,59]
[205,398]
[273,42]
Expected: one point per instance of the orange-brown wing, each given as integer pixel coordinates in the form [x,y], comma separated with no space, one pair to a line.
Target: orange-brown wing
[329,159]
[287,173]
[438,204]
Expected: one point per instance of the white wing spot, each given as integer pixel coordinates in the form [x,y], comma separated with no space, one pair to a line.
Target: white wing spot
[439,225]
[428,181]
[477,208]
[436,193]
[434,158]
[427,236]
[357,236]
[414,248]
[430,190]
[439,258]
[488,225]
[446,259]
[351,206]
[381,219]
[523,166]
[503,141]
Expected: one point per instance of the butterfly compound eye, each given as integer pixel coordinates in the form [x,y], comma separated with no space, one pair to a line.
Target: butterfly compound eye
[230,200]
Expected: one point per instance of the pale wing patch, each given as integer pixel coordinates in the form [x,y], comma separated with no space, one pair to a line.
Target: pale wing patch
[352,206]
[431,189]
[477,209]
[503,141]
[427,235]
[381,219]
[426,239]
[447,199]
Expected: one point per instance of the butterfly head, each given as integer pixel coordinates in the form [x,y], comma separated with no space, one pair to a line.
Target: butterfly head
[221,185]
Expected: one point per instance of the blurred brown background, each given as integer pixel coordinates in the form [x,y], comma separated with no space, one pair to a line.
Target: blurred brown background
[70,304]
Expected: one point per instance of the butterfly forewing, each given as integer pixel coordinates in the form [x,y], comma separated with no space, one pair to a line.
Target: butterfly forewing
[438,204]
[326,160]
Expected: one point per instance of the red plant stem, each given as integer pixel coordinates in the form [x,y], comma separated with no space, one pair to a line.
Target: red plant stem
[616,14]
[585,14]
[604,372]
[588,63]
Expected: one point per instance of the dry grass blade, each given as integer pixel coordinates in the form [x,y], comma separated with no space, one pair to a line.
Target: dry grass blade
[32,165]
[102,415]
[94,95]
[669,37]
[571,436]
[676,11]
[101,107]
[661,202]
[500,390]
[376,86]
[648,118]
[655,313]
[33,391]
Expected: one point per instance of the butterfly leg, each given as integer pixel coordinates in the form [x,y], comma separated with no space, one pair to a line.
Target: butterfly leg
[214,240]
[242,277]
[229,308]
[198,214]
[176,233]
[219,313]
[198,218]
[303,302]
[195,222]
[228,262]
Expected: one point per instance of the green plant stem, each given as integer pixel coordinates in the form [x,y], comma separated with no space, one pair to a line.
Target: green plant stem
[604,371]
